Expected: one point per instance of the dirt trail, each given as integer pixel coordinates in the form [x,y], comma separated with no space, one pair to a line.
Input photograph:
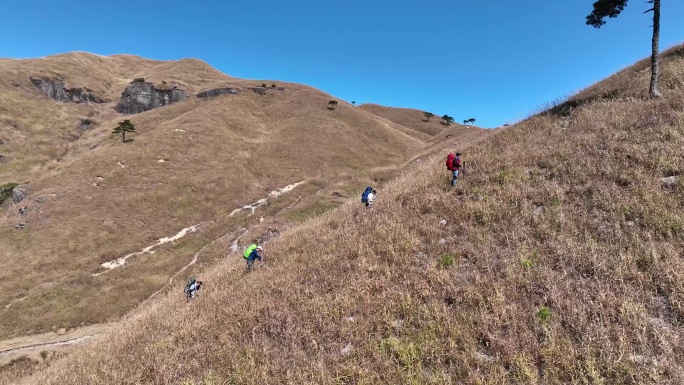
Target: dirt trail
[32,345]
[264,201]
[113,264]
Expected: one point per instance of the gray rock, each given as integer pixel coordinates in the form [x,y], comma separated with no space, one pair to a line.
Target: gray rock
[539,210]
[51,88]
[266,90]
[3,158]
[669,182]
[23,210]
[218,91]
[84,95]
[20,226]
[641,359]
[19,193]
[40,200]
[141,96]
[54,89]
[85,124]
[484,358]
[347,349]
[260,90]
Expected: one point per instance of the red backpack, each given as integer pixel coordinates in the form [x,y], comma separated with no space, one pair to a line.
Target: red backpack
[450,162]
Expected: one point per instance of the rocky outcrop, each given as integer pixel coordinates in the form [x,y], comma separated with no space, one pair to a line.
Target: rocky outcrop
[218,91]
[55,89]
[19,193]
[141,96]
[669,182]
[85,124]
[266,90]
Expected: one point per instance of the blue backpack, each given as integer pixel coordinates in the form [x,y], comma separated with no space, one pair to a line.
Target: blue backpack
[364,196]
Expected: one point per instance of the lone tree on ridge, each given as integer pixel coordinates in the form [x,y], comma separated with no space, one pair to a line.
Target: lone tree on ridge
[332,104]
[611,9]
[447,119]
[123,128]
[428,115]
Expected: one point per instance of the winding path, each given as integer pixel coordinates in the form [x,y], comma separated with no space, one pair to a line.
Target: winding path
[12,348]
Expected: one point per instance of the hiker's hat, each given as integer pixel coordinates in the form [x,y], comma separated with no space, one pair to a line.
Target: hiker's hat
[259,248]
[458,154]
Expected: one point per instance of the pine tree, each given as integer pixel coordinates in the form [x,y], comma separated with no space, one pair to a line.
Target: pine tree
[611,9]
[123,128]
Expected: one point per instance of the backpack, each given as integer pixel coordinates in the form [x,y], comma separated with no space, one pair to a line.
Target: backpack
[188,287]
[364,196]
[249,251]
[450,162]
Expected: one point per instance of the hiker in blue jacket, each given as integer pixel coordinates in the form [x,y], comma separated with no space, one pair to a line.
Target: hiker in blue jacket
[251,254]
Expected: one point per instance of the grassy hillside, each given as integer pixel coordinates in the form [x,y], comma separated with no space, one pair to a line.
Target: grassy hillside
[412,118]
[94,199]
[557,259]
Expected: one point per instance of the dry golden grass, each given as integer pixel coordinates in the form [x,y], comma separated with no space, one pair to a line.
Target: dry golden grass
[414,119]
[560,261]
[219,154]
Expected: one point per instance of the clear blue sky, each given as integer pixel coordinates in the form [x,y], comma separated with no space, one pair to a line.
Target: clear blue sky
[494,60]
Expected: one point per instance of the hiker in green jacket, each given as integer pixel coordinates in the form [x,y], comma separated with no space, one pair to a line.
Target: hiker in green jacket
[251,254]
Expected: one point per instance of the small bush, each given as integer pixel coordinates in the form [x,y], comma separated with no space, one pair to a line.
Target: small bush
[529,262]
[405,353]
[503,177]
[544,315]
[446,260]
[273,85]
[6,191]
[263,85]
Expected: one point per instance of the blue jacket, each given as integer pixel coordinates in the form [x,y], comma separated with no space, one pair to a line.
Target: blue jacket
[254,255]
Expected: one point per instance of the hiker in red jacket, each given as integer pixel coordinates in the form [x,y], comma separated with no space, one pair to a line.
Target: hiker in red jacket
[453,164]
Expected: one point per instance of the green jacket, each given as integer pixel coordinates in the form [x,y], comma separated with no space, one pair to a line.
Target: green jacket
[249,250]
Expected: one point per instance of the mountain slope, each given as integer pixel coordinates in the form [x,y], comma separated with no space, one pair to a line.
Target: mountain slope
[557,259]
[94,199]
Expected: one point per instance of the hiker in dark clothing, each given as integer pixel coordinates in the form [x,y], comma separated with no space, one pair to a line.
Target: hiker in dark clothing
[192,287]
[457,168]
[371,197]
[251,254]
